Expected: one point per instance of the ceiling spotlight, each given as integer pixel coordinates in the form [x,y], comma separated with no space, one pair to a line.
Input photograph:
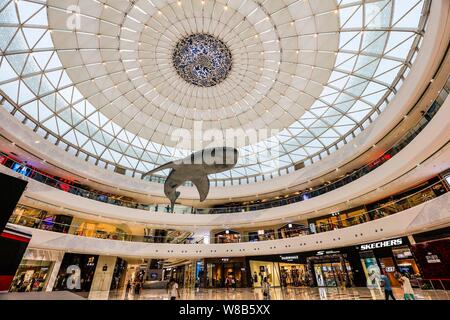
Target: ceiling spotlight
[225,8]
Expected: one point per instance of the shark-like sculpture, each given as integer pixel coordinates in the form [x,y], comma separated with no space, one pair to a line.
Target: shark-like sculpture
[196,168]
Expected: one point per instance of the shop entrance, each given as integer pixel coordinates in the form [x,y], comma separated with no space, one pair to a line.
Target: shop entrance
[31,276]
[331,271]
[293,275]
[226,271]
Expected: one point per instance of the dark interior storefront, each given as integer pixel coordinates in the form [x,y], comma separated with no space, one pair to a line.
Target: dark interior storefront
[76,272]
[219,270]
[432,251]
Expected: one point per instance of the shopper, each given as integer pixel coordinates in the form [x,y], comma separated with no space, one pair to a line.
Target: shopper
[408,292]
[233,283]
[127,288]
[172,290]
[137,289]
[386,284]
[227,283]
[266,289]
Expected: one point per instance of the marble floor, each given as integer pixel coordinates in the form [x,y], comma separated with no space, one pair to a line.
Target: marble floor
[276,294]
[237,294]
[55,295]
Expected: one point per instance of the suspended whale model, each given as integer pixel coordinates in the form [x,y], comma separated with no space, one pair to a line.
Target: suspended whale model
[196,168]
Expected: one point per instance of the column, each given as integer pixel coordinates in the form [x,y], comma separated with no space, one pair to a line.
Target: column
[102,277]
[54,273]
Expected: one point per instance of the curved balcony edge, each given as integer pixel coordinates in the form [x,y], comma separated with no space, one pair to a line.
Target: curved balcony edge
[427,216]
[433,48]
[385,177]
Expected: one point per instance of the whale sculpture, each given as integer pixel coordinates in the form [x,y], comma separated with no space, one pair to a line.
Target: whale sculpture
[196,168]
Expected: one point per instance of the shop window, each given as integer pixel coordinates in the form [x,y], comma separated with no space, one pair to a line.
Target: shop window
[292,230]
[31,276]
[228,236]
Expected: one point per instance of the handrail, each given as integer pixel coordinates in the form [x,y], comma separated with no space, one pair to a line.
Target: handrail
[300,196]
[374,214]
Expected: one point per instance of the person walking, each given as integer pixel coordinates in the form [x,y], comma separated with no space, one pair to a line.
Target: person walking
[127,289]
[137,290]
[408,292]
[172,289]
[255,279]
[386,284]
[266,289]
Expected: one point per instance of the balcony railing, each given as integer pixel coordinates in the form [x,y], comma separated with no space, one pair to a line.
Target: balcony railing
[298,197]
[83,229]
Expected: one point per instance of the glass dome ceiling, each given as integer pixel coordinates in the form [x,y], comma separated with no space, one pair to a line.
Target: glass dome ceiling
[97,77]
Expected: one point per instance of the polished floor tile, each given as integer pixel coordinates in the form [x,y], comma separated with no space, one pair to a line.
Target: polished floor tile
[276,294]
[237,294]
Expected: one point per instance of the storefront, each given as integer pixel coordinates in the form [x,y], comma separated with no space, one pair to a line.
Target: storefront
[99,230]
[331,268]
[432,251]
[264,269]
[292,230]
[413,197]
[40,219]
[339,220]
[13,244]
[294,270]
[261,235]
[356,266]
[391,256]
[76,272]
[227,236]
[119,274]
[31,276]
[218,271]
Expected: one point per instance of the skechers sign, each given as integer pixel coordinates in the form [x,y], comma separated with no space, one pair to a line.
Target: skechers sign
[381,244]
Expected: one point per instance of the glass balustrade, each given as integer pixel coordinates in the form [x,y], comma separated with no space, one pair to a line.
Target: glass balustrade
[385,210]
[298,197]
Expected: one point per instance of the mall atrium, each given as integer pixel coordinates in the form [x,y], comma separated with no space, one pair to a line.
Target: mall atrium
[336,113]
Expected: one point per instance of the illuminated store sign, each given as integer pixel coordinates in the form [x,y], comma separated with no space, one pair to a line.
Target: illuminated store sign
[327,252]
[288,258]
[381,244]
